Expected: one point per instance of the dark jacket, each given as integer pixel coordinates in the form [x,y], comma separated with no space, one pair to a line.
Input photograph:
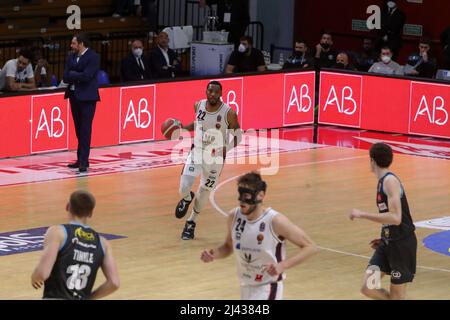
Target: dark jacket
[426,69]
[131,71]
[159,66]
[326,60]
[299,61]
[83,74]
[392,26]
[348,67]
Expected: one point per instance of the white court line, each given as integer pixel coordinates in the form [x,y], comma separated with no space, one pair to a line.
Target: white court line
[215,205]
[212,194]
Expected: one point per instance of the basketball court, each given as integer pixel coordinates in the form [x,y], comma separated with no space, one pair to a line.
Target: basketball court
[317,184]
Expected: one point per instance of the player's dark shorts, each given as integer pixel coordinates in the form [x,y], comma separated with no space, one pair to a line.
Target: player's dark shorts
[397,258]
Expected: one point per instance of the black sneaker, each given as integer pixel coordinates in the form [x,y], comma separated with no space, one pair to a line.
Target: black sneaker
[188,231]
[183,206]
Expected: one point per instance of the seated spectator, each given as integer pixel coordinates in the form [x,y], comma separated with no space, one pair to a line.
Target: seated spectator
[246,58]
[17,74]
[301,57]
[325,56]
[136,66]
[164,61]
[42,78]
[343,62]
[41,68]
[422,64]
[386,65]
[365,59]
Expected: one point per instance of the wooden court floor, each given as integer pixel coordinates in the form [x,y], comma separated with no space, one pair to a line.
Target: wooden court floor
[315,188]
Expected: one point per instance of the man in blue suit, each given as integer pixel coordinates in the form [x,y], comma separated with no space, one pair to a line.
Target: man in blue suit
[80,73]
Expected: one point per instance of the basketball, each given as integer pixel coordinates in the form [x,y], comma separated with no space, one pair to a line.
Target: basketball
[169,126]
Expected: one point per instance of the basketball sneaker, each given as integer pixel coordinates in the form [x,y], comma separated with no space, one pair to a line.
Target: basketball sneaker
[183,206]
[188,231]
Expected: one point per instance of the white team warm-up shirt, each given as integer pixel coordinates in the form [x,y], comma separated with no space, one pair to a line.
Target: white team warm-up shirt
[211,127]
[256,246]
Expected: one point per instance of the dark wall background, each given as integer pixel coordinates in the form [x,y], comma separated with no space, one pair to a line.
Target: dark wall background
[311,16]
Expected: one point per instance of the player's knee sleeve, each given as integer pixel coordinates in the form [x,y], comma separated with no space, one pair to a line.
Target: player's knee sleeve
[186,183]
[201,199]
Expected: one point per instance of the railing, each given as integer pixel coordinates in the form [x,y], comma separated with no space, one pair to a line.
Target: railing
[116,45]
[256,30]
[188,12]
[276,51]
[112,49]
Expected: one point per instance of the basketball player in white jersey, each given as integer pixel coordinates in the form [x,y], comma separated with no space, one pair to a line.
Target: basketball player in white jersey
[214,122]
[258,237]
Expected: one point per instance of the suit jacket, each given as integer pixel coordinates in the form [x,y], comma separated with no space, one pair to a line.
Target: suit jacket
[131,71]
[392,26]
[158,61]
[82,74]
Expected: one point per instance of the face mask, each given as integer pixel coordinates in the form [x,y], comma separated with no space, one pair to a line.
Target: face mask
[325,46]
[137,52]
[391,4]
[253,194]
[242,48]
[386,59]
[339,65]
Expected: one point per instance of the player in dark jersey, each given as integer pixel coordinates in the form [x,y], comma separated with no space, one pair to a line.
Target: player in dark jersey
[72,255]
[395,252]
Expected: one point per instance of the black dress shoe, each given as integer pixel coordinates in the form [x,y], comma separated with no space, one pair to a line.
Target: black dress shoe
[82,169]
[74,165]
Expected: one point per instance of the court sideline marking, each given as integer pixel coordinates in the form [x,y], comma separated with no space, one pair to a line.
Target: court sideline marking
[221,184]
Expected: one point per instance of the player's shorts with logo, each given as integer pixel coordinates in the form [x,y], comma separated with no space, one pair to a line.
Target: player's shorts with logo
[209,169]
[269,291]
[397,258]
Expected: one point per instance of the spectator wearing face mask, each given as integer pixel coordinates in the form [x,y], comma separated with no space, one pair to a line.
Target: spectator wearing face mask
[343,62]
[386,65]
[301,57]
[392,22]
[136,66]
[246,58]
[325,56]
[422,64]
[367,57]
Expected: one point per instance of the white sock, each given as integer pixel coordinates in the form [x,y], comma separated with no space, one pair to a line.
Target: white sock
[194,216]
[188,197]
